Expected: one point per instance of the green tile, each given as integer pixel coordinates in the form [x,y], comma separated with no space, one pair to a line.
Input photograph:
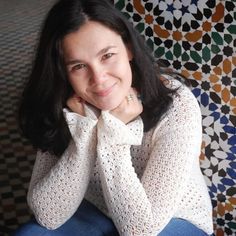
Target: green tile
[185,56]
[232,29]
[150,44]
[160,51]
[206,54]
[177,50]
[196,57]
[169,55]
[228,38]
[215,49]
[217,38]
[120,4]
[140,27]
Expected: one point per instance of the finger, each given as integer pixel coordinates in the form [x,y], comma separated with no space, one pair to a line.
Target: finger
[76,104]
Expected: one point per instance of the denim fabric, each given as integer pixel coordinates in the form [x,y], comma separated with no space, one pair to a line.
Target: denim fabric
[180,227]
[89,221]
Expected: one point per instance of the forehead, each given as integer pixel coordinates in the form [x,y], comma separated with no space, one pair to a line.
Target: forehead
[91,36]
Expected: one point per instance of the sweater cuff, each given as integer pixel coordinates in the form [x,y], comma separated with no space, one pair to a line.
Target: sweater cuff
[77,122]
[112,131]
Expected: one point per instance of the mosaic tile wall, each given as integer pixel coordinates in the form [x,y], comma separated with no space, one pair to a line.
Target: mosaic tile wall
[198,39]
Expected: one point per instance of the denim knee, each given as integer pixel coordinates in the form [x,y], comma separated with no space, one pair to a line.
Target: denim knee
[31,228]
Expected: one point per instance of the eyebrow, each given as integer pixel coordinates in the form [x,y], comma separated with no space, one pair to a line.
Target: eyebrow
[102,51]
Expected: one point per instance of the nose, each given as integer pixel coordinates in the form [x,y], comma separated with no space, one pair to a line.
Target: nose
[98,74]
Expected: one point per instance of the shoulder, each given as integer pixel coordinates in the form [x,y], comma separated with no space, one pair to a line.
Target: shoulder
[182,122]
[183,94]
[185,106]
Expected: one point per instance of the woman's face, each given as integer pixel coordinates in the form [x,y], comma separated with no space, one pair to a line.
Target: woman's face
[97,63]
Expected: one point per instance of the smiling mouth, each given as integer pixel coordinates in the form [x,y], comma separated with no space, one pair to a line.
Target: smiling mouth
[105,92]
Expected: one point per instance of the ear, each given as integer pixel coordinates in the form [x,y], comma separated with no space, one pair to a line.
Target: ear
[129,52]
[130,55]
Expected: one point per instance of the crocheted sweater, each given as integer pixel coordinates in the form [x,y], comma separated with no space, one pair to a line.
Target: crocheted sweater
[140,180]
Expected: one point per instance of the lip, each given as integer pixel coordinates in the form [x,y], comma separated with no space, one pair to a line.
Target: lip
[105,92]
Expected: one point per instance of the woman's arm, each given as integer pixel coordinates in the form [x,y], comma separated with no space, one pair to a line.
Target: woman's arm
[144,207]
[58,186]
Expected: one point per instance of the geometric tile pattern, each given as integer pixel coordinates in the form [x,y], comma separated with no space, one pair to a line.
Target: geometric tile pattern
[19,26]
[198,39]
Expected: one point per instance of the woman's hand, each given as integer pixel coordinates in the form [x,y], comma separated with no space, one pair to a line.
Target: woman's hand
[76,104]
[130,107]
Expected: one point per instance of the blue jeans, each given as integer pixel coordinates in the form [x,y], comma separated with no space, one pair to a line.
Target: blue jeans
[89,221]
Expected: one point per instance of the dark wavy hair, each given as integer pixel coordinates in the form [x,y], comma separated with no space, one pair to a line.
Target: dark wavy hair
[41,116]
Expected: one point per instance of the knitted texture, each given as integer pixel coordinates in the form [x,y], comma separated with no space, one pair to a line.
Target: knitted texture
[140,180]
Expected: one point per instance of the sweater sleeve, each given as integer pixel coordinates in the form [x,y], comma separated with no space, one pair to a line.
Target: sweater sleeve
[144,206]
[57,186]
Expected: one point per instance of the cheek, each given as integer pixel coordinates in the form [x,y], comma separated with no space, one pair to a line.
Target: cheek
[77,86]
[124,71]
[127,75]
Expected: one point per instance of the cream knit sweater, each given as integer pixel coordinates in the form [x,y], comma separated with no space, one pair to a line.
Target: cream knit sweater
[141,180]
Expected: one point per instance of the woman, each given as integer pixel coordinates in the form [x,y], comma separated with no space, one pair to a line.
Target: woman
[118,139]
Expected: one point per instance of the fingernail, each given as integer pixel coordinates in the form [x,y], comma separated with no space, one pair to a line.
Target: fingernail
[79,99]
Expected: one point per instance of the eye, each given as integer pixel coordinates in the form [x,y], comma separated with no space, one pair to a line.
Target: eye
[107,56]
[78,67]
